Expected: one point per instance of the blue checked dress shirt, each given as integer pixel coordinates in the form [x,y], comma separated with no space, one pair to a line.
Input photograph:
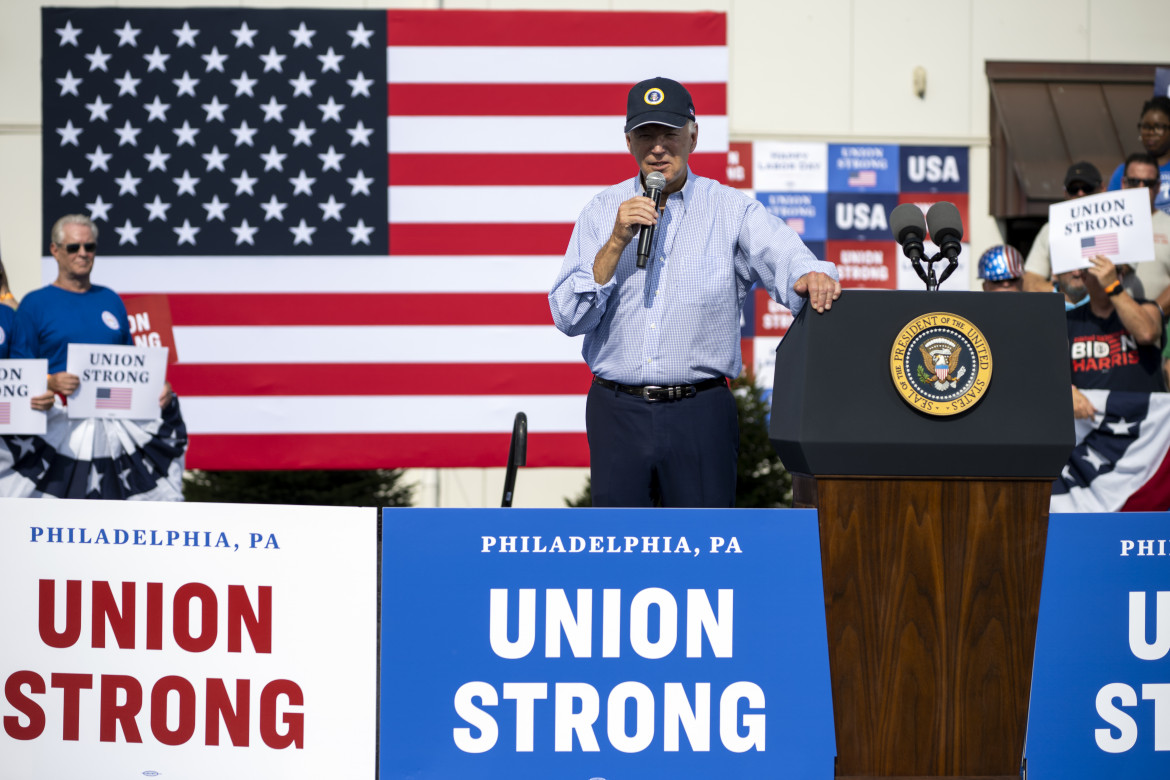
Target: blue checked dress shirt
[676,321]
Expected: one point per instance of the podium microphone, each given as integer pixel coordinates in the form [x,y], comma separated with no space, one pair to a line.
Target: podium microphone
[909,229]
[946,228]
[655,183]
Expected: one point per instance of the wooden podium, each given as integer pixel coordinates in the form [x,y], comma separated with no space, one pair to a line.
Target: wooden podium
[932,528]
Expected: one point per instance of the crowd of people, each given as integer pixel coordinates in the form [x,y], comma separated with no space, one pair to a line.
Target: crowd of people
[85,457]
[1118,331]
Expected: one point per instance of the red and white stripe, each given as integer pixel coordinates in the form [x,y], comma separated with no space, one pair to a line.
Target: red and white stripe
[502,125]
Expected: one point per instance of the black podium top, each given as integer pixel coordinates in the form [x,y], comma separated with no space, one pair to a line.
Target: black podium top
[837,412]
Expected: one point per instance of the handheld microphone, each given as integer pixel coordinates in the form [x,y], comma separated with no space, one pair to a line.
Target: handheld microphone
[655,183]
[909,229]
[946,228]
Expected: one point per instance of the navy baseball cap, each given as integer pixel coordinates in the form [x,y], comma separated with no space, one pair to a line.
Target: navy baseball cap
[658,101]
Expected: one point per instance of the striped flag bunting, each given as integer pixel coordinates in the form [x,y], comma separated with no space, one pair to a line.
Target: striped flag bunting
[357,215]
[1122,458]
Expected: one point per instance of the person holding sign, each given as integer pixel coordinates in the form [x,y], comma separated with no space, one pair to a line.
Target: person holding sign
[1114,341]
[40,402]
[122,458]
[661,324]
[71,309]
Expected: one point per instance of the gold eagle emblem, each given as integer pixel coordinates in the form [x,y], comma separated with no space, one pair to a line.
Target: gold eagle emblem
[943,363]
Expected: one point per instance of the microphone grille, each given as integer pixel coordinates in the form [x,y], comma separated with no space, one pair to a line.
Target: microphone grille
[655,181]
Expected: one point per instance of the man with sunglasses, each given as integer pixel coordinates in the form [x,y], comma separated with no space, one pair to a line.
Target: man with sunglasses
[1081,179]
[1141,170]
[71,309]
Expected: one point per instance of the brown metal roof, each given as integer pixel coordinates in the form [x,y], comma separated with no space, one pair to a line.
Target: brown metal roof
[1047,115]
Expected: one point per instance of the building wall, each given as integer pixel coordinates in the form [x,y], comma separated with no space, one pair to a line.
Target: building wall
[837,70]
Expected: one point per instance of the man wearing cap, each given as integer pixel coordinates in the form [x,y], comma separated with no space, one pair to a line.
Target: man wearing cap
[1081,179]
[1002,269]
[662,340]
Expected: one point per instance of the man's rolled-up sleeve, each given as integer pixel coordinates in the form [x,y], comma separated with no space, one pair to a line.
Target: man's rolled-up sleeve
[776,256]
[577,301]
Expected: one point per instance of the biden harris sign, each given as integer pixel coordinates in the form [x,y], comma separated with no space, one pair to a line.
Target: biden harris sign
[604,644]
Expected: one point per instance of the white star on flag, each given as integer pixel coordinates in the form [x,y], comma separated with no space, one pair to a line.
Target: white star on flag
[69,84]
[331,209]
[215,159]
[302,85]
[98,110]
[186,183]
[360,233]
[186,232]
[360,36]
[128,183]
[127,85]
[98,160]
[97,59]
[214,109]
[68,34]
[185,36]
[244,84]
[360,85]
[303,184]
[214,60]
[273,111]
[273,61]
[157,209]
[302,233]
[69,183]
[127,134]
[157,160]
[330,61]
[244,35]
[215,209]
[273,160]
[127,36]
[185,85]
[244,233]
[274,209]
[156,110]
[156,60]
[99,209]
[69,134]
[244,183]
[331,160]
[127,233]
[302,36]
[359,134]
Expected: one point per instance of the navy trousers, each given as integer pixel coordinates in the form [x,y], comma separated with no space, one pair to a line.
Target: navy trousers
[681,453]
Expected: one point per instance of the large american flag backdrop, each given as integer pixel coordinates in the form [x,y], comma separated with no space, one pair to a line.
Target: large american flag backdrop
[356,215]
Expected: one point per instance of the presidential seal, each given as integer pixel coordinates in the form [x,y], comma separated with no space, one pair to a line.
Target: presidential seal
[654,96]
[940,364]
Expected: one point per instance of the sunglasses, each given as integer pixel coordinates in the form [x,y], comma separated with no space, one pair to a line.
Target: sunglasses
[1080,188]
[90,246]
[1149,183]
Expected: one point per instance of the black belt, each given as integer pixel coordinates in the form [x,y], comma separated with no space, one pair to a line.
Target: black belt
[658,393]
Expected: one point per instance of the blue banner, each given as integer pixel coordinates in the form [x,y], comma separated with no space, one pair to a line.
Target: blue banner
[863,168]
[934,169]
[1100,702]
[616,644]
[860,217]
[804,212]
